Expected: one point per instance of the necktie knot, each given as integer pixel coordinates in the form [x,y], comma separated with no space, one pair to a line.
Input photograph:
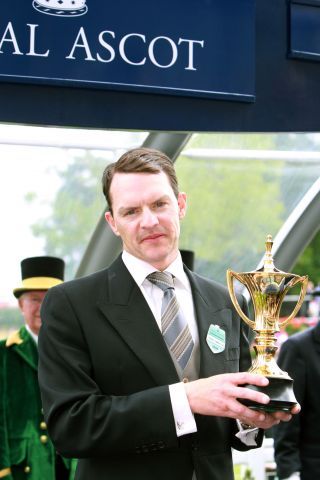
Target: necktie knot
[163,280]
[174,326]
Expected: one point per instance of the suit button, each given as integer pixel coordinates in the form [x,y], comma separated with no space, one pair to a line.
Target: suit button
[27,469]
[43,425]
[43,439]
[185,380]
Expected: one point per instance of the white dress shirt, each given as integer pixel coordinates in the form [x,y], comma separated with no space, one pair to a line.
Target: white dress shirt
[139,269]
[32,335]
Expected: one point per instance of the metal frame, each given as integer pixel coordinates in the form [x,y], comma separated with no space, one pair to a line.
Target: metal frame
[298,230]
[295,234]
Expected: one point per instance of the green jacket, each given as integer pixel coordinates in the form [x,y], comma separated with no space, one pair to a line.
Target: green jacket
[25,449]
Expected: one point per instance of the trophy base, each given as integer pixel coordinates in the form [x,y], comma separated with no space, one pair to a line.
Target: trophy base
[280,391]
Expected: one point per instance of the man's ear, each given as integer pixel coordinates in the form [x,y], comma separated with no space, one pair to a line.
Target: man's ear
[110,220]
[182,204]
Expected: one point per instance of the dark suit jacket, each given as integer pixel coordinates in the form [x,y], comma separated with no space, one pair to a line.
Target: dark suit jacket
[297,443]
[104,373]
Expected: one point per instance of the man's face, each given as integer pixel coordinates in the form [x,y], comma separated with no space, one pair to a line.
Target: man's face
[146,215]
[29,304]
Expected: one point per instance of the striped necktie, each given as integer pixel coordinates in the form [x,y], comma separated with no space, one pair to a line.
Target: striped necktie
[174,326]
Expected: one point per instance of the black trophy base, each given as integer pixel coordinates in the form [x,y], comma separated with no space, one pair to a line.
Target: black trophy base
[280,391]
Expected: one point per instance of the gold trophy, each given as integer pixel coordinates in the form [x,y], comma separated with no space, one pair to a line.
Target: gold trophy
[267,287]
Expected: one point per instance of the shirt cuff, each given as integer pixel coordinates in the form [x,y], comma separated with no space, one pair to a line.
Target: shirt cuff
[183,416]
[247,435]
[293,476]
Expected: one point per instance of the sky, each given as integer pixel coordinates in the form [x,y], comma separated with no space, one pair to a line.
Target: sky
[23,170]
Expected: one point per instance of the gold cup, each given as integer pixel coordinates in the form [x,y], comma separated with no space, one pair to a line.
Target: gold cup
[267,287]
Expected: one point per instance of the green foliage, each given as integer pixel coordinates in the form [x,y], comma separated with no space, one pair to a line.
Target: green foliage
[229,204]
[255,141]
[309,262]
[292,328]
[242,472]
[74,211]
[10,319]
[223,208]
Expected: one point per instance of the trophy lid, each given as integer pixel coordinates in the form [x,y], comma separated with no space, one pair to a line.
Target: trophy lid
[267,278]
[268,268]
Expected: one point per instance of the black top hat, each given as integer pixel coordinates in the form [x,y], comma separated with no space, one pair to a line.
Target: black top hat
[40,273]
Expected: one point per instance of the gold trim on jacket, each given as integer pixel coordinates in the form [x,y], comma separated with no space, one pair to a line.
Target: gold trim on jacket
[13,339]
[5,472]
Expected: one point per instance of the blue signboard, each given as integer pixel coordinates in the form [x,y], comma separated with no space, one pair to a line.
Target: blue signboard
[167,47]
[305,30]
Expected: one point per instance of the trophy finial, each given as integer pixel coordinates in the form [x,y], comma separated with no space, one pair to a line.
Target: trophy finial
[268,259]
[269,243]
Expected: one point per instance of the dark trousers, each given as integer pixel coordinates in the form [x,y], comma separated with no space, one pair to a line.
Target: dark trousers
[62,473]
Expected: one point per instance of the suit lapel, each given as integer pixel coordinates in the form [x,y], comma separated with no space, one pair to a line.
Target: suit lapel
[127,310]
[124,306]
[207,314]
[26,348]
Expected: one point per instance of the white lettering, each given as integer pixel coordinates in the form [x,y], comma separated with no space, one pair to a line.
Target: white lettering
[174,52]
[122,46]
[32,51]
[84,44]
[107,47]
[11,38]
[190,49]
[133,49]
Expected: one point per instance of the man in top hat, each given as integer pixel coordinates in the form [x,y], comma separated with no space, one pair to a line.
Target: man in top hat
[25,449]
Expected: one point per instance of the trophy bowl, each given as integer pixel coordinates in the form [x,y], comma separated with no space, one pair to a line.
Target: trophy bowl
[267,287]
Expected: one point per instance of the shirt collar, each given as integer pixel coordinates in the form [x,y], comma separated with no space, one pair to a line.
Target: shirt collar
[32,335]
[139,269]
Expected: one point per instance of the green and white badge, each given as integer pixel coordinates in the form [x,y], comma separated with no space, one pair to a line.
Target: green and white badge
[216,339]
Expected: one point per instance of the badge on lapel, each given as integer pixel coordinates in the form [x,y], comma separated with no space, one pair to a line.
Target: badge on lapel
[216,339]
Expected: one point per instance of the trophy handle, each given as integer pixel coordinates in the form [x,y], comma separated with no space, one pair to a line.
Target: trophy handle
[230,276]
[304,283]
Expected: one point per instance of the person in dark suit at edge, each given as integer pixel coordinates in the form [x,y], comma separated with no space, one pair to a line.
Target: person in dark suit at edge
[297,444]
[133,385]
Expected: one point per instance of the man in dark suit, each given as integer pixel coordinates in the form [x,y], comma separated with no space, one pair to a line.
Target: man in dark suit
[297,444]
[133,385]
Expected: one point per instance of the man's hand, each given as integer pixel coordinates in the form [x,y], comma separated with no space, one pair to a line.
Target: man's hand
[218,396]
